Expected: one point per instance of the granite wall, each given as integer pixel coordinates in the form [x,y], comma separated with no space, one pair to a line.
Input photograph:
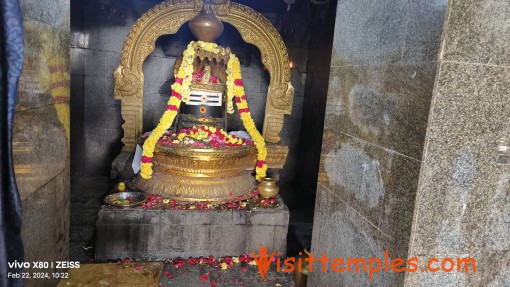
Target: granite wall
[96,42]
[41,133]
[463,200]
[380,88]
[97,38]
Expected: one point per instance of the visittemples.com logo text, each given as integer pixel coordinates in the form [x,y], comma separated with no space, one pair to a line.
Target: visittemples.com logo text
[370,265]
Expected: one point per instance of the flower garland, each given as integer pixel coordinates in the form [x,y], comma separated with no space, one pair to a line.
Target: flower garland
[234,72]
[181,92]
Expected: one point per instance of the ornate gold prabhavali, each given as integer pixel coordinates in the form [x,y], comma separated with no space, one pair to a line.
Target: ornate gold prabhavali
[166,18]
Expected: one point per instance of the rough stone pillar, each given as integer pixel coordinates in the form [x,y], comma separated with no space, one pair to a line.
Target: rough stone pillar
[41,135]
[463,200]
[380,88]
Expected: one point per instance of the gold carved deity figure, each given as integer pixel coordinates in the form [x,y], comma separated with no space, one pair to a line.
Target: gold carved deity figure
[190,156]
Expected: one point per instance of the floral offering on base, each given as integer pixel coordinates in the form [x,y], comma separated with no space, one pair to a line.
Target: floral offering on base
[156,201]
[202,137]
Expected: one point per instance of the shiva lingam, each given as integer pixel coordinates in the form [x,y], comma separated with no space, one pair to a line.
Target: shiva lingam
[196,159]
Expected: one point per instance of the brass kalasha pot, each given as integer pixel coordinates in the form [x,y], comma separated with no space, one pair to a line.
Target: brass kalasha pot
[216,175]
[268,188]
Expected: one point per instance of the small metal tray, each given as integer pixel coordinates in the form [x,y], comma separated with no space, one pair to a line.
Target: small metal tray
[135,199]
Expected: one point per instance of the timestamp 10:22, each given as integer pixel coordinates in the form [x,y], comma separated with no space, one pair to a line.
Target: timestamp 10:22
[38,275]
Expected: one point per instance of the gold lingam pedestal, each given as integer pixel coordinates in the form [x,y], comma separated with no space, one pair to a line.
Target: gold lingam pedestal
[201,174]
[186,173]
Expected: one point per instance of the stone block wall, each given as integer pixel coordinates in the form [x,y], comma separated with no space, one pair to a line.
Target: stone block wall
[159,234]
[96,42]
[380,88]
[41,133]
[463,203]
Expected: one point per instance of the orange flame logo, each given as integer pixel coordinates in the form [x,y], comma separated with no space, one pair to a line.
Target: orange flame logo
[263,261]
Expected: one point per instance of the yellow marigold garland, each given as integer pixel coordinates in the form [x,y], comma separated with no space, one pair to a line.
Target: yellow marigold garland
[181,92]
[244,112]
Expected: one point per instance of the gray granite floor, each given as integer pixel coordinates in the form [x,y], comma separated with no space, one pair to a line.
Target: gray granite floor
[86,197]
[197,276]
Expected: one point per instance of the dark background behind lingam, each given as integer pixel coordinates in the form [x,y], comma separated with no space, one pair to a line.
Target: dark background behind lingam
[98,32]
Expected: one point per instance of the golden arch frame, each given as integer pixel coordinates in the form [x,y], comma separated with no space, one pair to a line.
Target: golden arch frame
[167,18]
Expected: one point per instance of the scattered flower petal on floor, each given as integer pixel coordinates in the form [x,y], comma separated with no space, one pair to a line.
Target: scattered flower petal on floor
[236,203]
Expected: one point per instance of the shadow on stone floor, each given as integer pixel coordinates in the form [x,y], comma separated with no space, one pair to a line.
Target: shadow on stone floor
[87,193]
[301,208]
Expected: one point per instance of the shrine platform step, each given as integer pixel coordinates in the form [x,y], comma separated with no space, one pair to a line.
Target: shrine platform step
[157,234]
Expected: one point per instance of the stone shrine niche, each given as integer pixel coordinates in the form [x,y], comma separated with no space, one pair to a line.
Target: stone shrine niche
[167,18]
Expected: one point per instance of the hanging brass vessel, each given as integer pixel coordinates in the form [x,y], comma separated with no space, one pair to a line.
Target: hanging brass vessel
[206,26]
